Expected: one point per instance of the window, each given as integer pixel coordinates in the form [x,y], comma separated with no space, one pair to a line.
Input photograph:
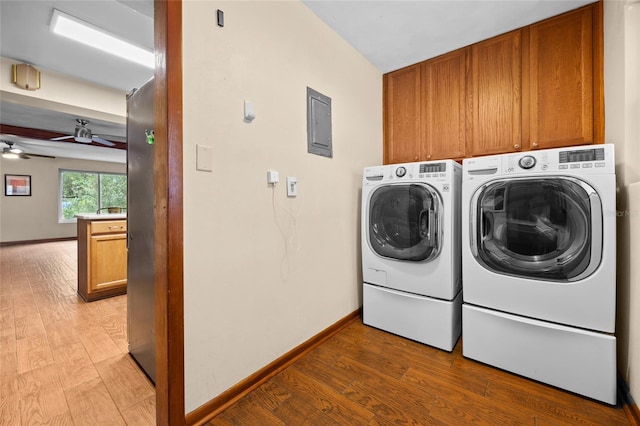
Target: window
[87,192]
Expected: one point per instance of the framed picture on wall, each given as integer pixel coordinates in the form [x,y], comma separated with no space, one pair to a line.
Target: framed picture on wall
[17,185]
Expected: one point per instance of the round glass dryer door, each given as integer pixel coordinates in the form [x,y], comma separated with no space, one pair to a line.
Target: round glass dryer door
[542,228]
[405,222]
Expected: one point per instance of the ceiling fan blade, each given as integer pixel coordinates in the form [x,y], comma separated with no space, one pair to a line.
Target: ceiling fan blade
[29,154]
[61,138]
[24,157]
[102,141]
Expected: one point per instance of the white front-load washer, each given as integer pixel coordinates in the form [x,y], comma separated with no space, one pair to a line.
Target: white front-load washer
[411,262]
[539,266]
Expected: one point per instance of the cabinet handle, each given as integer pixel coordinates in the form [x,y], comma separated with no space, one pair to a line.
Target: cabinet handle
[535,144]
[116,227]
[415,158]
[516,147]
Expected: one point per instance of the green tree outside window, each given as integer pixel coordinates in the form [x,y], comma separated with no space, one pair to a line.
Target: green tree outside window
[86,192]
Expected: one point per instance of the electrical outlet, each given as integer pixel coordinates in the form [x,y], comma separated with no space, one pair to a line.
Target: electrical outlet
[292,186]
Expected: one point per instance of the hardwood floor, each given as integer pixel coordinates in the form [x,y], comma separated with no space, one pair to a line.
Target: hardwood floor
[64,361]
[364,376]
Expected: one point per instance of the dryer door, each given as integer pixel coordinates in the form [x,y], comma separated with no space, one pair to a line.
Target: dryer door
[541,228]
[405,222]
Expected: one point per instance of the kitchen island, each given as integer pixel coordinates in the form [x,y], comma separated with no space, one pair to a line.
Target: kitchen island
[102,255]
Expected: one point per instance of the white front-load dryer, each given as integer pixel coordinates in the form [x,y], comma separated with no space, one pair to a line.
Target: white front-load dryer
[411,261]
[539,266]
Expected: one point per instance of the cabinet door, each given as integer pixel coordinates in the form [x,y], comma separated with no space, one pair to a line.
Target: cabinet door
[561,81]
[496,96]
[444,112]
[108,261]
[402,112]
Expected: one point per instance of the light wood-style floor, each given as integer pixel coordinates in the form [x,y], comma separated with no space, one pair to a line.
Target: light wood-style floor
[64,361]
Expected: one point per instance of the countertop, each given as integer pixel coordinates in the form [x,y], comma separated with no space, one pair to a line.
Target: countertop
[101,216]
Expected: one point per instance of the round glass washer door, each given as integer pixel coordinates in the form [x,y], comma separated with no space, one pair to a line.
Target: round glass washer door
[405,222]
[542,228]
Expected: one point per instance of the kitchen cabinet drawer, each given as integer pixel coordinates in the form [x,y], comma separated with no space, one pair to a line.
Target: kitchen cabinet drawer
[108,226]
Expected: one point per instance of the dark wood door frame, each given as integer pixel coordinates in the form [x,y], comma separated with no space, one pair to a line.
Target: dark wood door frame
[168,213]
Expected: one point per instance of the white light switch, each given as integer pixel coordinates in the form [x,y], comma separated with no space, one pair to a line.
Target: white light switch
[204,158]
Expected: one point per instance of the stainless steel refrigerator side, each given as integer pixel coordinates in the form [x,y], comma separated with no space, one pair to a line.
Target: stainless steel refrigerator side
[140,226]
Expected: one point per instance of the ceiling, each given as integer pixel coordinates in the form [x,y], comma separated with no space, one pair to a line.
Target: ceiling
[390,34]
[25,37]
[393,34]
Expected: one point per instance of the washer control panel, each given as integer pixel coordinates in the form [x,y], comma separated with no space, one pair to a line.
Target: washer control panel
[432,171]
[584,160]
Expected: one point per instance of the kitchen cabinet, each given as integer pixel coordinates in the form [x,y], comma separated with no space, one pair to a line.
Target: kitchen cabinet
[496,95]
[537,87]
[102,256]
[402,115]
[561,81]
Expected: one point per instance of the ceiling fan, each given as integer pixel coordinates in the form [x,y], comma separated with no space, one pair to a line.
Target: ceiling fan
[83,134]
[13,152]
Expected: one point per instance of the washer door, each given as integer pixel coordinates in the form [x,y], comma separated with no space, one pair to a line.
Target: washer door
[405,222]
[543,228]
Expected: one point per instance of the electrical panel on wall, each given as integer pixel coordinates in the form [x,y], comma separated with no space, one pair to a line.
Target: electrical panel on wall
[319,124]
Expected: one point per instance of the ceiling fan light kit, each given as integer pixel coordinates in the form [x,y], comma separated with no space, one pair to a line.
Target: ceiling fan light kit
[9,155]
[25,76]
[11,152]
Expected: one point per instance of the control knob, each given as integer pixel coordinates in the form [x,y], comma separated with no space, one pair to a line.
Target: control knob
[401,171]
[527,162]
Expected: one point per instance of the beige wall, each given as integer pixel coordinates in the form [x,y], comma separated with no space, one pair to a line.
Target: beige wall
[263,273]
[36,217]
[622,118]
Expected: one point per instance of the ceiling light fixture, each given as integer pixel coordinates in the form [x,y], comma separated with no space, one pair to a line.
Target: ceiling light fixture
[83,32]
[10,155]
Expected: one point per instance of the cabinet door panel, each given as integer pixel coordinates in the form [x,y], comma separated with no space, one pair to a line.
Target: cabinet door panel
[444,117]
[108,261]
[402,114]
[496,100]
[561,79]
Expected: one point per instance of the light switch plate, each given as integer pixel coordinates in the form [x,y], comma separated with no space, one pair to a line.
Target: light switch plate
[204,158]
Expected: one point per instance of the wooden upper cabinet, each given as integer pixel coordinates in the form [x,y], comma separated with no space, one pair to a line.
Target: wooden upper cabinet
[561,81]
[537,87]
[402,112]
[444,92]
[496,95]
